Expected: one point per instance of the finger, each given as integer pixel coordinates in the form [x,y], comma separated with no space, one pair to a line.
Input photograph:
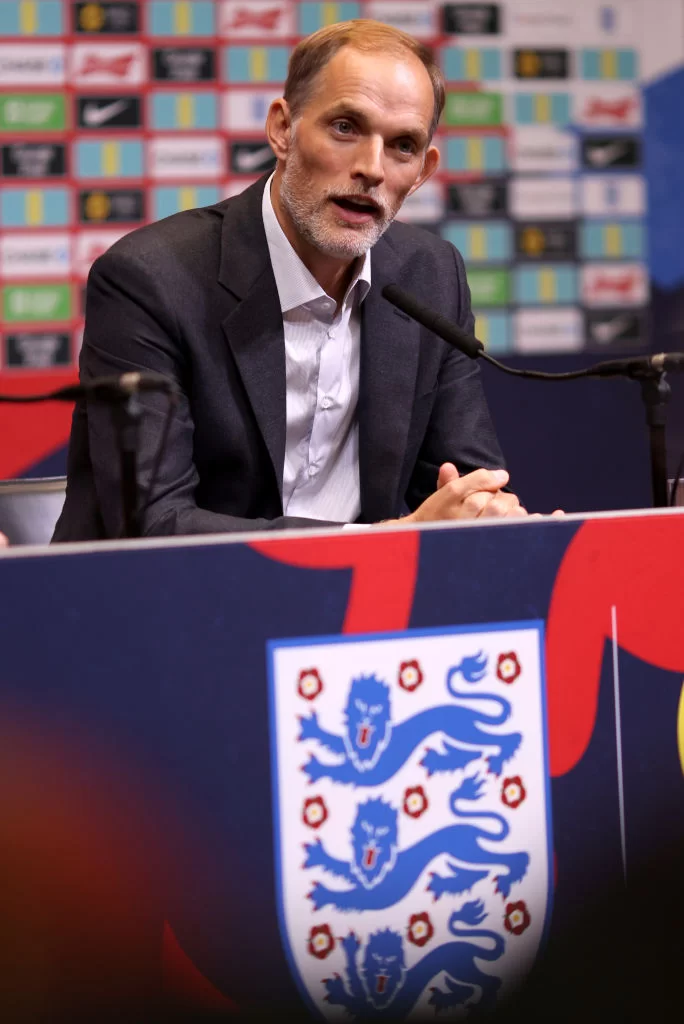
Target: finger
[483,480]
[503,505]
[447,472]
[474,505]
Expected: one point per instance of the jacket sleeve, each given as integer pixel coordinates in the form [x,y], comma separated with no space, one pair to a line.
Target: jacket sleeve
[131,327]
[460,429]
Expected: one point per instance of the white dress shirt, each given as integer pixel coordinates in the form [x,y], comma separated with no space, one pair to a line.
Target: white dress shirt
[322,348]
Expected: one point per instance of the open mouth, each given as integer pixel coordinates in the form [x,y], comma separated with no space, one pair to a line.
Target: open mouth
[357,208]
[363,735]
[381,983]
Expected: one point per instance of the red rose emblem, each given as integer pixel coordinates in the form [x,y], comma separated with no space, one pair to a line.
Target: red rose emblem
[410,675]
[309,684]
[513,792]
[420,929]
[321,942]
[508,667]
[314,812]
[415,801]
[517,917]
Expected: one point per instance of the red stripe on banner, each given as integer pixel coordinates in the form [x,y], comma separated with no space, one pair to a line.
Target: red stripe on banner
[384,569]
[610,563]
[28,436]
[184,984]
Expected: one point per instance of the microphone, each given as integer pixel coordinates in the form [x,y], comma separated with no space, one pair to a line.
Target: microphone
[638,368]
[107,389]
[434,322]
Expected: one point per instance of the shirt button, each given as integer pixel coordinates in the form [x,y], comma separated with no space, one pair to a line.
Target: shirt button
[326,402]
[312,471]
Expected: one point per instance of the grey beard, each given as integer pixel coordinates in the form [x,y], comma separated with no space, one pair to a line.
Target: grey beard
[306,220]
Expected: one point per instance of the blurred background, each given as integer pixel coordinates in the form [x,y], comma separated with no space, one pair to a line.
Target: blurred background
[561,183]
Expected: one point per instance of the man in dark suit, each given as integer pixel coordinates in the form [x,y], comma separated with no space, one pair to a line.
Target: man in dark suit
[307,399]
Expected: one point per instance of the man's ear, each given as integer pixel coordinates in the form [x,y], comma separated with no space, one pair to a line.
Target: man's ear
[278,127]
[430,165]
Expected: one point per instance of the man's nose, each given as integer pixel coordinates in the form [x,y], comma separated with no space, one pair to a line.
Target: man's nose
[369,160]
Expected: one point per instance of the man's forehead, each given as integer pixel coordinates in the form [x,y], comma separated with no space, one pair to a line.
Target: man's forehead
[363,80]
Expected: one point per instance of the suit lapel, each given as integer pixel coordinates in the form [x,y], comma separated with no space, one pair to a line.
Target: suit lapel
[254,327]
[389,362]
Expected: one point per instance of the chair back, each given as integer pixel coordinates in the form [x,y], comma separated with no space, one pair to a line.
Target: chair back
[30,508]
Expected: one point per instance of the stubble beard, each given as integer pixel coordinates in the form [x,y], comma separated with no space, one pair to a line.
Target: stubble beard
[309,210]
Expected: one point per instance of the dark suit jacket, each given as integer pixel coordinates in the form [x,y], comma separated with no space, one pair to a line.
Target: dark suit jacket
[193,297]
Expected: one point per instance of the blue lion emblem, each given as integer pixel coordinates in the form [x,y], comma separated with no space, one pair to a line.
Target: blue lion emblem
[384,988]
[380,875]
[372,748]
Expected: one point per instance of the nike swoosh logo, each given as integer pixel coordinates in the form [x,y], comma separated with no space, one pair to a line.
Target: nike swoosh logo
[608,331]
[605,155]
[246,161]
[94,116]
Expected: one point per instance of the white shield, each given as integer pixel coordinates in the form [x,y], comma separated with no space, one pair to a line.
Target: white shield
[412,816]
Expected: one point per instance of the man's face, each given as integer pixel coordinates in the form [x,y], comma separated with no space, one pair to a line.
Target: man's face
[357,148]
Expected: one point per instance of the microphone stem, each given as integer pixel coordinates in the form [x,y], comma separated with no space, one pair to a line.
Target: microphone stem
[655,392]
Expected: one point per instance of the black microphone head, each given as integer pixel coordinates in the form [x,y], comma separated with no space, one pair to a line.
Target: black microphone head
[434,322]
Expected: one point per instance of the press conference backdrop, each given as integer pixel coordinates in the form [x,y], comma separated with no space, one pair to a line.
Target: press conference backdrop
[559,183]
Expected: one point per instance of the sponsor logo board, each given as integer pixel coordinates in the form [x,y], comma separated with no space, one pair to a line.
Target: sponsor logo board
[245,110]
[478,198]
[418,19]
[183,64]
[606,152]
[100,113]
[34,207]
[125,205]
[608,106]
[615,330]
[34,255]
[36,351]
[261,19]
[546,240]
[473,109]
[33,112]
[486,242]
[24,303]
[186,158]
[543,198]
[471,19]
[608,195]
[119,18]
[541,149]
[180,18]
[33,159]
[489,287]
[529,22]
[91,244]
[544,63]
[546,330]
[108,64]
[615,284]
[251,157]
[424,206]
[32,64]
[545,284]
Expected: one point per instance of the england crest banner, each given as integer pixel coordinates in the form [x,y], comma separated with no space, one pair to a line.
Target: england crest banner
[412,816]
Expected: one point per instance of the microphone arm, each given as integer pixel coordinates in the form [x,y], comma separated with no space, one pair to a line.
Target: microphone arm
[648,370]
[122,394]
[105,389]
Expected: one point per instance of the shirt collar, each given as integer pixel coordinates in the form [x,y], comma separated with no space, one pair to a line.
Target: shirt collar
[295,283]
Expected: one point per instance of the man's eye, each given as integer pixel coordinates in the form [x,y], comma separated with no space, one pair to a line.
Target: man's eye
[406,146]
[343,127]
